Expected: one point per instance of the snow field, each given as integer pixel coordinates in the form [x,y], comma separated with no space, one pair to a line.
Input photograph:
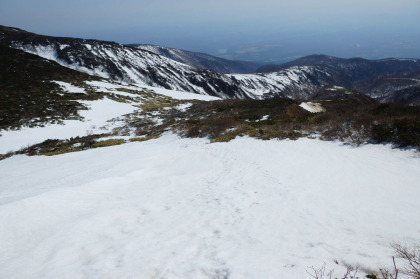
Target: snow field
[183,208]
[98,119]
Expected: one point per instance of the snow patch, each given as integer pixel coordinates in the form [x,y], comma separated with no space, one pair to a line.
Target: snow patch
[180,95]
[265,117]
[335,88]
[312,107]
[63,46]
[48,52]
[69,88]
[98,119]
[183,107]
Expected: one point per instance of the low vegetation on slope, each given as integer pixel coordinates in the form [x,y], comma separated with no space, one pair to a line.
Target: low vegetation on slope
[353,120]
[28,97]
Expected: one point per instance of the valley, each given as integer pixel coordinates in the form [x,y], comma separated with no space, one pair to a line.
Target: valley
[140,161]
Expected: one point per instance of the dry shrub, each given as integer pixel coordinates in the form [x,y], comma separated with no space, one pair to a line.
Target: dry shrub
[411,258]
[144,138]
[108,142]
[218,126]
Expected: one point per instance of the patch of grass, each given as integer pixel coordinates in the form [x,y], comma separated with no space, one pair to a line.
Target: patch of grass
[52,147]
[224,120]
[120,98]
[353,119]
[241,130]
[5,156]
[109,142]
[144,138]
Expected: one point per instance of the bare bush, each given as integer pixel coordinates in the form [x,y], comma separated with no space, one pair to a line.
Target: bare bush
[411,258]
[320,273]
[386,274]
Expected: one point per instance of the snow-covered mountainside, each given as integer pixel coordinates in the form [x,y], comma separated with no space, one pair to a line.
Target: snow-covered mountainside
[301,79]
[392,89]
[201,60]
[298,82]
[354,68]
[129,64]
[385,80]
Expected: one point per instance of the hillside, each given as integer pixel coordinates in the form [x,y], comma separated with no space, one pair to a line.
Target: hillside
[28,93]
[392,88]
[132,65]
[353,68]
[40,97]
[201,60]
[386,80]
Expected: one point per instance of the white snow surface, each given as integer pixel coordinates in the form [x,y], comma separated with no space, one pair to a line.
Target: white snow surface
[180,95]
[183,107]
[312,107]
[183,208]
[68,87]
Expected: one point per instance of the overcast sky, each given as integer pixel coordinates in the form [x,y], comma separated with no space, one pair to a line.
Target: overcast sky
[266,30]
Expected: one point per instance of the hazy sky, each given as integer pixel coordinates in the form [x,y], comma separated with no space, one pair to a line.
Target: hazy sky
[262,30]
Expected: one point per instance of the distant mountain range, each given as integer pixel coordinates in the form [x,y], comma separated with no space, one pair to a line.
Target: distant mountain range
[202,60]
[386,80]
[352,69]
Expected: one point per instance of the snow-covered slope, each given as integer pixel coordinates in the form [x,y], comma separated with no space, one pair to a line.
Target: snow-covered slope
[102,115]
[353,68]
[385,80]
[122,63]
[147,65]
[201,60]
[298,82]
[153,210]
[129,64]
[392,88]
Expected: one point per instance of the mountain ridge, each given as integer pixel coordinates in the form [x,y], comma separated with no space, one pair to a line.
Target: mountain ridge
[378,66]
[201,60]
[300,79]
[124,63]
